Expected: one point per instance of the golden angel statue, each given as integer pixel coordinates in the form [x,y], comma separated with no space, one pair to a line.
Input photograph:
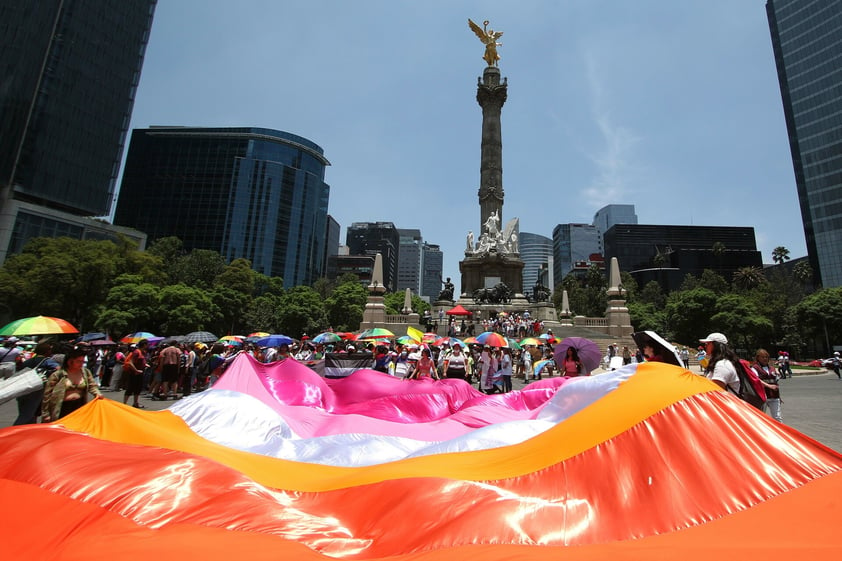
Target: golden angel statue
[489,38]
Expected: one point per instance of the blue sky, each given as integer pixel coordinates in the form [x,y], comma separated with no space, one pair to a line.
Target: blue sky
[668,105]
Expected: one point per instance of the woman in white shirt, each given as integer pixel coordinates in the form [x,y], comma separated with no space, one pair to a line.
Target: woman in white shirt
[721,359]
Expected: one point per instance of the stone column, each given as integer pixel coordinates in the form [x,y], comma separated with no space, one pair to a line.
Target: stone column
[491,95]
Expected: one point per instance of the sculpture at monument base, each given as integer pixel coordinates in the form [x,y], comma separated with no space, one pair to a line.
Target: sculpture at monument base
[497,294]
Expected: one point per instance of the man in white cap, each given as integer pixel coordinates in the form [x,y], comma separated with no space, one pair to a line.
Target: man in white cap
[721,361]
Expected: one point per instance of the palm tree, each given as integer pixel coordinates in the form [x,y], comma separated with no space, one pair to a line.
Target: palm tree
[747,278]
[780,254]
[803,272]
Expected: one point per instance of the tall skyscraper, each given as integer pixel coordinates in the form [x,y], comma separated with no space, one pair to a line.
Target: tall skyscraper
[371,238]
[573,243]
[807,42]
[70,70]
[536,252]
[409,260]
[254,193]
[432,267]
[609,215]
[334,232]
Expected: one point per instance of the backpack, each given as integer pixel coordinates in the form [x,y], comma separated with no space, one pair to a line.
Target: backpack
[751,388]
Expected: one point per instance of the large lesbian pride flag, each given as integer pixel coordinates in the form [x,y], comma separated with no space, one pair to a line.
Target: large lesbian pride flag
[275,462]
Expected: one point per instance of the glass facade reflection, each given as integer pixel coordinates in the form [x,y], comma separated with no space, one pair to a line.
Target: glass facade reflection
[535,251]
[253,193]
[807,42]
[69,71]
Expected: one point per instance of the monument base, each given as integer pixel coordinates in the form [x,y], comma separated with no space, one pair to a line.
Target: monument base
[491,268]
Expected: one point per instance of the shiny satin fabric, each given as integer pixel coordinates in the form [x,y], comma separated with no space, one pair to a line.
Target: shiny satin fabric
[658,464]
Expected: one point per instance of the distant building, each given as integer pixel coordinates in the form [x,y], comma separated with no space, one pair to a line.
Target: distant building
[573,244]
[359,265]
[70,72]
[610,215]
[536,252]
[432,267]
[250,193]
[334,231]
[371,238]
[409,260]
[668,253]
[807,42]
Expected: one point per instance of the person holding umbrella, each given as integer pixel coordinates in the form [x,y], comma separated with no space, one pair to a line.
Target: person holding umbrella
[571,365]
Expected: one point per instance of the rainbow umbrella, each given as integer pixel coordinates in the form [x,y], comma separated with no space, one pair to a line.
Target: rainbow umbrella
[232,338]
[531,341]
[375,333]
[430,337]
[134,338]
[38,325]
[449,341]
[470,340]
[407,340]
[492,339]
[326,338]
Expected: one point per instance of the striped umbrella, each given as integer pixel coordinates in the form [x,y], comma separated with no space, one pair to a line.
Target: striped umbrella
[492,339]
[326,338]
[513,344]
[531,341]
[134,338]
[38,325]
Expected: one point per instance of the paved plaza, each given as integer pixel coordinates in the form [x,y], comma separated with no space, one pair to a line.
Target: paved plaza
[812,403]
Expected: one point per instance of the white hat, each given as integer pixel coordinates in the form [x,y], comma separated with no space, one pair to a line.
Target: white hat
[716,338]
[351,348]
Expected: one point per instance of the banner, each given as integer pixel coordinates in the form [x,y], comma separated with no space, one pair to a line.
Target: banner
[339,365]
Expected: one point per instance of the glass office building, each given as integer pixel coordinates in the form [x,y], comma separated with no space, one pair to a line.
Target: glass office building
[253,193]
[667,254]
[409,260]
[371,238]
[69,71]
[432,264]
[807,43]
[535,252]
[572,244]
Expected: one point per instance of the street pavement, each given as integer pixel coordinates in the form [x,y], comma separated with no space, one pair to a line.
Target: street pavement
[812,404]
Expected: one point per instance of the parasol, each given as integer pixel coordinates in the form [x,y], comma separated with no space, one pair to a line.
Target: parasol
[662,348]
[37,325]
[588,352]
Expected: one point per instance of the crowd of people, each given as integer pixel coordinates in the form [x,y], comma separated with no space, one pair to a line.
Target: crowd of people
[78,372]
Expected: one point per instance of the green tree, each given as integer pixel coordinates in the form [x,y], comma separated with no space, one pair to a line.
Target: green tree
[803,272]
[652,294]
[748,278]
[232,291]
[737,316]
[713,281]
[688,313]
[820,316]
[301,310]
[261,314]
[394,303]
[780,254]
[345,306]
[198,268]
[647,316]
[61,277]
[182,309]
[169,251]
[131,305]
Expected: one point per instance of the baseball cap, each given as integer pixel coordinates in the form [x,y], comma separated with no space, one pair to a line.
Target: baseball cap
[716,338]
